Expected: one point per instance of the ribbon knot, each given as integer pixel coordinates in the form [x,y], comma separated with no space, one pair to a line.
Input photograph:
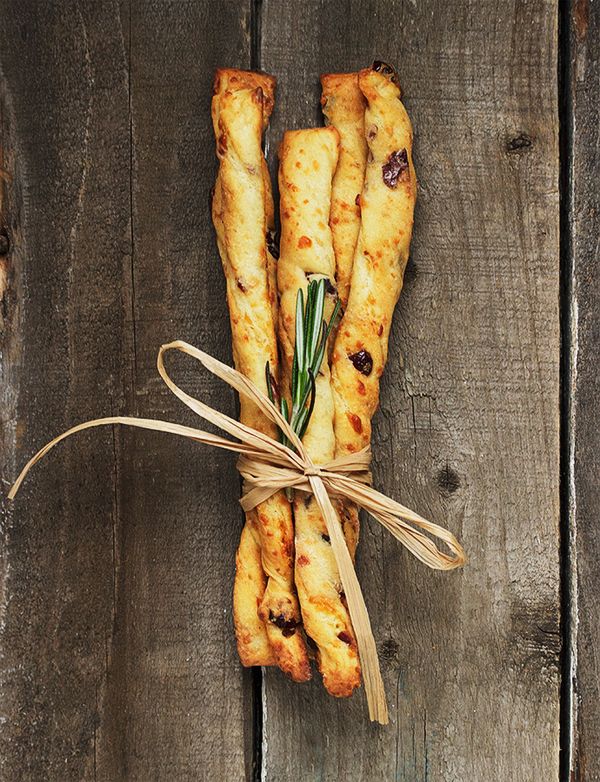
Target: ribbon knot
[267,466]
[312,469]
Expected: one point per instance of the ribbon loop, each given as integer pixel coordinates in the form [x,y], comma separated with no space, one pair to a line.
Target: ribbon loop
[268,466]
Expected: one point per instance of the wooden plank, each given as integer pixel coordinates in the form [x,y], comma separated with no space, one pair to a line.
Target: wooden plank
[468,430]
[583,70]
[65,209]
[117,650]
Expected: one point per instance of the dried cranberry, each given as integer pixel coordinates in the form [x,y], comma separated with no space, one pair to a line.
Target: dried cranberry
[287,626]
[394,168]
[386,70]
[345,637]
[241,286]
[326,538]
[273,244]
[330,287]
[362,361]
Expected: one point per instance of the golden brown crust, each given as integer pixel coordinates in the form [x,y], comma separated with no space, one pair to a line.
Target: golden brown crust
[344,107]
[250,580]
[248,591]
[307,162]
[387,206]
[240,209]
[233,79]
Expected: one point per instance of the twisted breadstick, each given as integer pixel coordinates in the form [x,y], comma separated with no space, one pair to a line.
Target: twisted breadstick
[387,204]
[307,163]
[250,580]
[344,107]
[241,206]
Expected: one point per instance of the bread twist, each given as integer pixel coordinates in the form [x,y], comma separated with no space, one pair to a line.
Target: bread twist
[344,107]
[307,162]
[242,201]
[387,204]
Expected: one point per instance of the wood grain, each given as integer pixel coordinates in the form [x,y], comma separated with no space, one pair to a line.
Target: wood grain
[583,383]
[117,654]
[117,651]
[468,430]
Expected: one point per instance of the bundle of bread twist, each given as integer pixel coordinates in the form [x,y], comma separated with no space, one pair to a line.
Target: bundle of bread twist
[347,196]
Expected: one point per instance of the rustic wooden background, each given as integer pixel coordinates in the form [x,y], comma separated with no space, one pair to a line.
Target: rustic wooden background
[117,657]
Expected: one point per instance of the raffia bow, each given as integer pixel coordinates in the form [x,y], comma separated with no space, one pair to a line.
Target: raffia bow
[267,466]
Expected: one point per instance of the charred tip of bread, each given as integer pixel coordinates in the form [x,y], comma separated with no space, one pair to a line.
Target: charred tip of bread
[386,70]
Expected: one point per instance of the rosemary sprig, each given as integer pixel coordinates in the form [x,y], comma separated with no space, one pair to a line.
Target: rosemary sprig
[312,333]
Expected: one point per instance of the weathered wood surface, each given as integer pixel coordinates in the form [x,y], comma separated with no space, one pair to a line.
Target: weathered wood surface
[118,659]
[117,656]
[582,258]
[468,430]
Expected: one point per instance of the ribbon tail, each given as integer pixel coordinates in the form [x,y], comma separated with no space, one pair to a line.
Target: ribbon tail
[154,424]
[359,615]
[401,523]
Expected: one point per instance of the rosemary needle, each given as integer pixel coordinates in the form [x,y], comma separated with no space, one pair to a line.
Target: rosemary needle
[312,333]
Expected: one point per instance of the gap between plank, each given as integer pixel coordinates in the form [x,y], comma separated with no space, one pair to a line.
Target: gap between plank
[255,34]
[568,366]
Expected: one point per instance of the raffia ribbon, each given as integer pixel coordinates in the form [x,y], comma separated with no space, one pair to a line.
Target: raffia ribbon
[268,466]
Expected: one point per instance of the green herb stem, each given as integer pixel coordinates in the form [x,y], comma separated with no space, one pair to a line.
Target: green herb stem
[312,333]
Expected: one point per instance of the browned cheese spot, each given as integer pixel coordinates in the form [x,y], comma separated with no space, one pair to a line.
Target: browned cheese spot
[355,422]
